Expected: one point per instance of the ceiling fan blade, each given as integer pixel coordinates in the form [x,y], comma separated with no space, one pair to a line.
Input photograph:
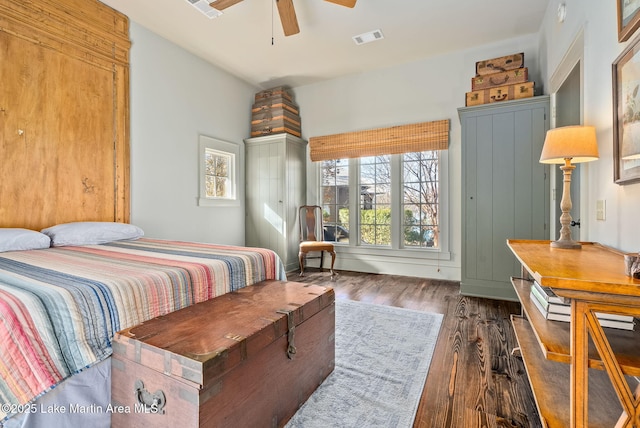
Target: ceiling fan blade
[288,17]
[223,4]
[346,3]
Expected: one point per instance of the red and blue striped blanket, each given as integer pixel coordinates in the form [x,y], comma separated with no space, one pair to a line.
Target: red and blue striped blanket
[60,307]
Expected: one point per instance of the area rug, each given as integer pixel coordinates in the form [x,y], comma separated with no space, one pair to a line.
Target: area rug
[382,360]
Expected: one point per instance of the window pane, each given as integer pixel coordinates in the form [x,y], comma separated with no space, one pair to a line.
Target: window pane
[420,199]
[335,199]
[329,195]
[210,186]
[210,162]
[218,174]
[222,166]
[367,174]
[375,200]
[221,187]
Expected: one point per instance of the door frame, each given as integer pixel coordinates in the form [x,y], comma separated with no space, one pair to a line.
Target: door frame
[572,58]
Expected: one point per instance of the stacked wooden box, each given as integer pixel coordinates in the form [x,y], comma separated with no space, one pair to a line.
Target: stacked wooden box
[500,79]
[274,112]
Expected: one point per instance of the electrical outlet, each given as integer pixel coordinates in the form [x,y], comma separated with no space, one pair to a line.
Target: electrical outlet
[601,209]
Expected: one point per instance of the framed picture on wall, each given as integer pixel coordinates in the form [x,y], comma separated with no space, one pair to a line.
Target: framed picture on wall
[626,115]
[628,18]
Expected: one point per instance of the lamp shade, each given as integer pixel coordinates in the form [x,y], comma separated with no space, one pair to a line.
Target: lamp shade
[577,143]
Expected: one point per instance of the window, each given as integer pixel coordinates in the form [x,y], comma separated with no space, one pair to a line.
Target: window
[218,172]
[420,199]
[398,203]
[335,199]
[375,200]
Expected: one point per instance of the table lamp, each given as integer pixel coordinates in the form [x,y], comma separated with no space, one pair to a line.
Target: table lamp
[568,145]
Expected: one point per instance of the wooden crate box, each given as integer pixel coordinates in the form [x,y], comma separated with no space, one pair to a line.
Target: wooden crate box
[281,91]
[274,102]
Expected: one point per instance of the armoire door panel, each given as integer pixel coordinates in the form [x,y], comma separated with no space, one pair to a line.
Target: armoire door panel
[64,101]
[68,129]
[503,186]
[470,236]
[485,196]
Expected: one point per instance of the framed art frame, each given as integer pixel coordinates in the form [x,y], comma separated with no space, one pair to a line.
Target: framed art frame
[628,18]
[626,115]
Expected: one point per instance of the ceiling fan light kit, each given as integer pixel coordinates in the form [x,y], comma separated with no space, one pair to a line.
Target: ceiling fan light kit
[285,9]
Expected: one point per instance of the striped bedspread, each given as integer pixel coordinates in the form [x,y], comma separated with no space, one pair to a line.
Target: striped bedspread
[60,307]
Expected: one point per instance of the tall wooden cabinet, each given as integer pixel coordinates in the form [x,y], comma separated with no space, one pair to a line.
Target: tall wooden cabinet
[64,113]
[275,189]
[505,190]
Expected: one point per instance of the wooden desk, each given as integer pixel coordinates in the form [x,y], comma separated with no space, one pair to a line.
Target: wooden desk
[593,278]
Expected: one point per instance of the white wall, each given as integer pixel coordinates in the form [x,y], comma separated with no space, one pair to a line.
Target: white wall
[598,20]
[426,90]
[175,96]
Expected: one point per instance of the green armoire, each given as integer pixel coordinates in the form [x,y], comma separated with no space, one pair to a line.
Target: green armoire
[505,190]
[276,186]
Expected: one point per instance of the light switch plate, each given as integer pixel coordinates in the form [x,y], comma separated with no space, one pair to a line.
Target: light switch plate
[601,209]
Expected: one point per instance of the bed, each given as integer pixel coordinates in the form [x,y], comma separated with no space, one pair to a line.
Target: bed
[60,306]
[65,112]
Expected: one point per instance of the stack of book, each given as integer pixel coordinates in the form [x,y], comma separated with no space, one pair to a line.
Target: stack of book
[555,308]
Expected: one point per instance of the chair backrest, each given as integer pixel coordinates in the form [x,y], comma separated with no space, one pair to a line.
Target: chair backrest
[311,223]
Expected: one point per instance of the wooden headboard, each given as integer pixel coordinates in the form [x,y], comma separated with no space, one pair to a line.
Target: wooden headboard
[64,113]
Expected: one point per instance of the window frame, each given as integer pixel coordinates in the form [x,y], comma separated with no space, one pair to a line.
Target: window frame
[226,148]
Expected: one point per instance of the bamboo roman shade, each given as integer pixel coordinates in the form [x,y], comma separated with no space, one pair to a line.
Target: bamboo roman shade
[417,137]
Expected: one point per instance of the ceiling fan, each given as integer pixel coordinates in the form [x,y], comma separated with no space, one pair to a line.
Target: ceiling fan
[285,10]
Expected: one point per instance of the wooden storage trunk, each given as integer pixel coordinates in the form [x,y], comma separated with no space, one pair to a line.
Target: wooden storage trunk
[275,102]
[500,64]
[275,121]
[275,127]
[509,77]
[228,361]
[275,114]
[277,91]
[502,93]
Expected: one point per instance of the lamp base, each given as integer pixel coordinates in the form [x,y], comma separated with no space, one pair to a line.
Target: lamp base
[567,244]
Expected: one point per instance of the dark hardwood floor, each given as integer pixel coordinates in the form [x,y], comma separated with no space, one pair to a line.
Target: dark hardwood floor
[473,380]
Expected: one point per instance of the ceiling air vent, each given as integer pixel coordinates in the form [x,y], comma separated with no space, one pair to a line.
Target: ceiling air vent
[371,36]
[203,6]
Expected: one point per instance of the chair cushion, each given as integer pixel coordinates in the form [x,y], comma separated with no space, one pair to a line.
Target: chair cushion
[307,246]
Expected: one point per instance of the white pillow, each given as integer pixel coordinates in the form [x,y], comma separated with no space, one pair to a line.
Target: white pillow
[91,233]
[16,239]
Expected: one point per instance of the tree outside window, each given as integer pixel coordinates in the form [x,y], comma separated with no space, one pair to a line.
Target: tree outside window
[217,174]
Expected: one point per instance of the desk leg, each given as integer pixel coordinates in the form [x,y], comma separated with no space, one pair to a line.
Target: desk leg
[584,323]
[622,422]
[579,365]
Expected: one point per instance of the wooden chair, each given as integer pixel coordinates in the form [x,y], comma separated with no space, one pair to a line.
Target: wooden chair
[311,235]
